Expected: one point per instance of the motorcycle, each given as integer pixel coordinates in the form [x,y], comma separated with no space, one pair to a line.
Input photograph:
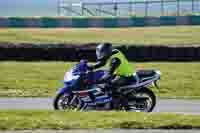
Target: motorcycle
[81,91]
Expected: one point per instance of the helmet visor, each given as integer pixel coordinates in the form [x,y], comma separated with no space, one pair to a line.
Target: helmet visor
[100,54]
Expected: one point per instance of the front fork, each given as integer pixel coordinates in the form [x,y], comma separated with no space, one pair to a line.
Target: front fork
[83,105]
[73,99]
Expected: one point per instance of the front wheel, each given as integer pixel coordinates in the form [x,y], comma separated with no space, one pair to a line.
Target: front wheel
[143,101]
[63,102]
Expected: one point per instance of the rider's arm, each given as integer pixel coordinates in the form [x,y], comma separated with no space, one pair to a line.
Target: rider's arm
[100,63]
[115,62]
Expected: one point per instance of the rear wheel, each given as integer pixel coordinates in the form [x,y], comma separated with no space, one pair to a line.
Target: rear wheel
[63,102]
[143,101]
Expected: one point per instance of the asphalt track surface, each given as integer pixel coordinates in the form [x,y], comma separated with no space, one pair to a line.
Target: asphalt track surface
[163,105]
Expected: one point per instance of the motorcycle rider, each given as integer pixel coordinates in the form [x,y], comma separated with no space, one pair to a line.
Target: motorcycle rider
[120,72]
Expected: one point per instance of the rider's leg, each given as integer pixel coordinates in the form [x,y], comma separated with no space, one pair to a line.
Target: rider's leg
[117,82]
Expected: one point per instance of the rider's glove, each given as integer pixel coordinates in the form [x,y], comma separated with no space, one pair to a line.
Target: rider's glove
[90,68]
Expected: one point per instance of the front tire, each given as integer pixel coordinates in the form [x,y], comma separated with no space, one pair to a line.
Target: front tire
[62,102]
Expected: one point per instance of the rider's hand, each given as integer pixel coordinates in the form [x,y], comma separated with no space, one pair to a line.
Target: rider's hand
[90,68]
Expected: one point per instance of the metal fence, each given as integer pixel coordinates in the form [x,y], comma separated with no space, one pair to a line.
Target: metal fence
[132,8]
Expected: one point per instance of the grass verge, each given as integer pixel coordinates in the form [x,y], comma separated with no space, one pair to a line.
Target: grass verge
[144,35]
[30,120]
[42,79]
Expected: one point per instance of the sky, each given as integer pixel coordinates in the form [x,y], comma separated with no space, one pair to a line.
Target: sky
[24,8]
[28,7]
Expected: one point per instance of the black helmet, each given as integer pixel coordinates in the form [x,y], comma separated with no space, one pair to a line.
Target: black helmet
[103,51]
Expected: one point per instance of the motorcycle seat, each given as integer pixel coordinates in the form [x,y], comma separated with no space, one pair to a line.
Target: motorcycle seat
[145,73]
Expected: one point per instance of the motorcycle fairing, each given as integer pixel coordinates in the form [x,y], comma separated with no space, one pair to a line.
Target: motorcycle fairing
[99,97]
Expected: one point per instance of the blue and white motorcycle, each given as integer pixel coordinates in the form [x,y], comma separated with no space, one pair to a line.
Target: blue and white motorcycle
[81,91]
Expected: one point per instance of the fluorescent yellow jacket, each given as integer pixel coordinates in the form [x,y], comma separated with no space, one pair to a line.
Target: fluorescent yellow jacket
[124,69]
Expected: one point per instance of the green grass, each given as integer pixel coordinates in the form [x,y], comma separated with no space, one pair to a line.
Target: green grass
[31,79]
[178,35]
[30,120]
[42,79]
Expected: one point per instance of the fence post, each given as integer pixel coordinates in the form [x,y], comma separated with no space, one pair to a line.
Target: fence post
[116,8]
[162,8]
[82,8]
[178,7]
[58,7]
[135,9]
[146,8]
[130,8]
[99,6]
[192,7]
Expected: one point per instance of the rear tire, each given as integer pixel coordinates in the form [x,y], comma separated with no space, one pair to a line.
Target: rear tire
[151,99]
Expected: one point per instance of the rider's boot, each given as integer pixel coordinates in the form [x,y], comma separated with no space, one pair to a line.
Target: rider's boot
[107,89]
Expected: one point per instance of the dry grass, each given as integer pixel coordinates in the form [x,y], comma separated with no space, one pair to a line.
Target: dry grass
[146,35]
